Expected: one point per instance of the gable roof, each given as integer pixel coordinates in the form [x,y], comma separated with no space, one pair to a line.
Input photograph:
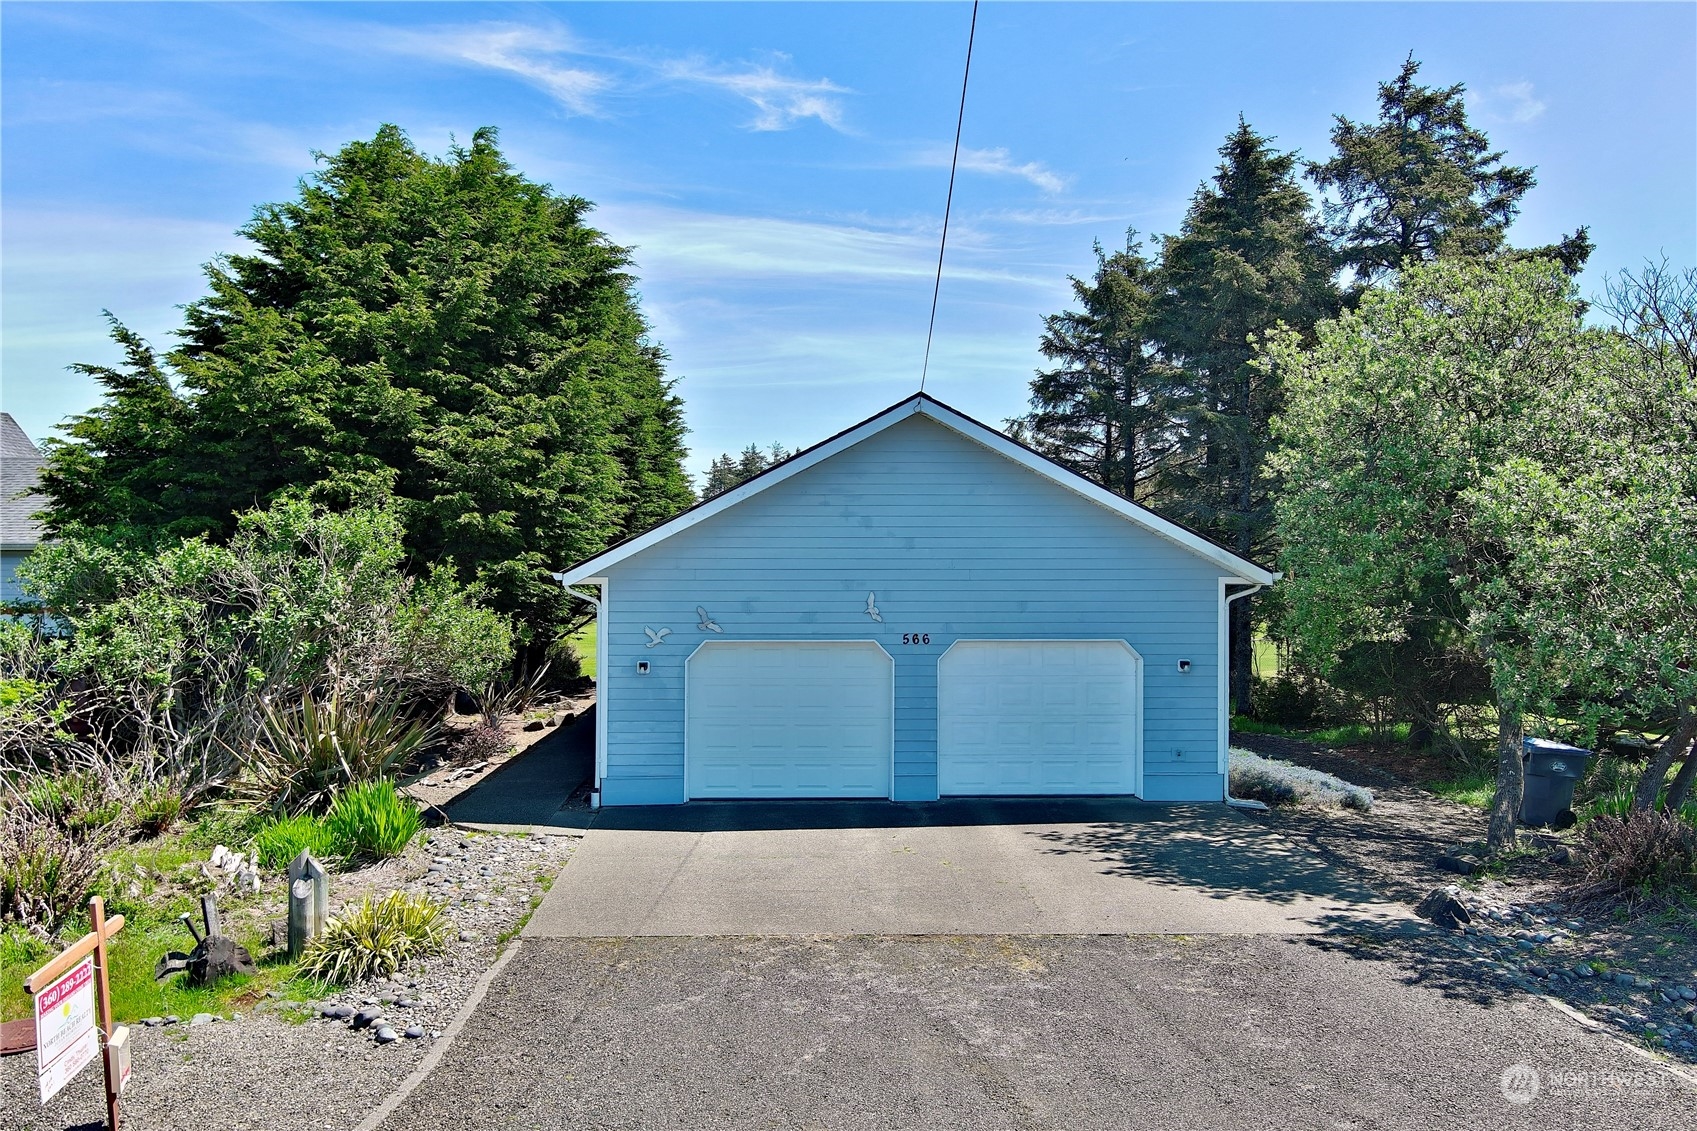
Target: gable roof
[20,477]
[932,409]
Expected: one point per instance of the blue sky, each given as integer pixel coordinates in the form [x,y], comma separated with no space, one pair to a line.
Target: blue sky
[780,169]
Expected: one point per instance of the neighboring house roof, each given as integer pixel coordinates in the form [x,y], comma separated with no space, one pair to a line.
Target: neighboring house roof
[933,409]
[20,478]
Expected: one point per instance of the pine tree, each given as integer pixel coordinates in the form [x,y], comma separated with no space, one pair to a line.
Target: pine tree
[1104,411]
[727,471]
[1249,257]
[445,332]
[1422,182]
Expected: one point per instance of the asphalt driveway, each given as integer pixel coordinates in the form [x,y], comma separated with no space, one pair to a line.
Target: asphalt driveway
[1020,1032]
[1071,964]
[975,866]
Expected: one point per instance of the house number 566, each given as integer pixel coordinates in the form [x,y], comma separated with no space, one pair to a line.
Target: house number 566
[916,638]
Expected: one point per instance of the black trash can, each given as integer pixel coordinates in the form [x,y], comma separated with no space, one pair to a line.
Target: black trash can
[1552,771]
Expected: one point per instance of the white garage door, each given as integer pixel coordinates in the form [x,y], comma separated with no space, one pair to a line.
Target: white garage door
[1048,716]
[789,720]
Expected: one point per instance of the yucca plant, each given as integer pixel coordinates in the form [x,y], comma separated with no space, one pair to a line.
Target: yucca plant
[374,819]
[309,751]
[377,936]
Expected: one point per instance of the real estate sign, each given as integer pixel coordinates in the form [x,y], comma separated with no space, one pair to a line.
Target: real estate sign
[66,1037]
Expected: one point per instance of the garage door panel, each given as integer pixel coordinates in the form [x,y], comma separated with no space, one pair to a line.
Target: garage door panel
[1050,716]
[789,720]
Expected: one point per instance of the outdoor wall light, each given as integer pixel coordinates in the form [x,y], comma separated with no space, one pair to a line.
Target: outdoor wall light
[642,667]
[1184,665]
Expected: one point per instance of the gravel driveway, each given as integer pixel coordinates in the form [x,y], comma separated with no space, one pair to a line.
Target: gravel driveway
[1023,1032]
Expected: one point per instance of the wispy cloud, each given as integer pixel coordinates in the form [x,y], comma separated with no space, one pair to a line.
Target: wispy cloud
[580,75]
[996,163]
[535,54]
[780,101]
[684,245]
[1508,102]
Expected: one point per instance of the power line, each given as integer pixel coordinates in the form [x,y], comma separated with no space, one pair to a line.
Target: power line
[960,118]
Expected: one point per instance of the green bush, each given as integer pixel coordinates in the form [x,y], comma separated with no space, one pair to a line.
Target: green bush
[159,806]
[374,820]
[77,799]
[281,839]
[375,937]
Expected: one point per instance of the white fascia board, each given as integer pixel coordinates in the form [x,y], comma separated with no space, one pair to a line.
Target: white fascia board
[1171,531]
[748,490]
[1248,571]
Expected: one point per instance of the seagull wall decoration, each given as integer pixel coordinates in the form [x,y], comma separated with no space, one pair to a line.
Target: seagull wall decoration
[708,624]
[872,608]
[656,636]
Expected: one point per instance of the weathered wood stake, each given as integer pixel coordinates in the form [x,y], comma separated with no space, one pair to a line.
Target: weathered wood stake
[309,901]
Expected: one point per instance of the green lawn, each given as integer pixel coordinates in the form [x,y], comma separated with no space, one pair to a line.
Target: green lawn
[150,908]
[583,643]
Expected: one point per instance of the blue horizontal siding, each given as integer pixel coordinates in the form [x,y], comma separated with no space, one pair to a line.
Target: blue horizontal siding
[956,541]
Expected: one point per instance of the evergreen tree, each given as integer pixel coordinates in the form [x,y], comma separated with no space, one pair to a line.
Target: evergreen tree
[727,471]
[1249,257]
[1105,410]
[1422,182]
[442,331]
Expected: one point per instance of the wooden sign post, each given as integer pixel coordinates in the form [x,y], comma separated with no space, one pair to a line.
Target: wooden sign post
[47,980]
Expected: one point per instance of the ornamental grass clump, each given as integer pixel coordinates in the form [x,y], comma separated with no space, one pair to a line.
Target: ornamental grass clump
[374,820]
[378,936]
[281,839]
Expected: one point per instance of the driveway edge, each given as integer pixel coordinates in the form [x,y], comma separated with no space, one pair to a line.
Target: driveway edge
[439,1047]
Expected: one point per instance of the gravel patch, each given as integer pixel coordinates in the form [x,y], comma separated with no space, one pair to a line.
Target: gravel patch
[312,1064]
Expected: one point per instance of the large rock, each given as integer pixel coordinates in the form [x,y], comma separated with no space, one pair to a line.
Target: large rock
[1444,907]
[216,957]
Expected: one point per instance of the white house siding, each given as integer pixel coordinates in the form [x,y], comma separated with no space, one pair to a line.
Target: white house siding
[957,542]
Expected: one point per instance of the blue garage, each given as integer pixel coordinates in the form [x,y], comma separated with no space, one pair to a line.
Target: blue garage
[918,607]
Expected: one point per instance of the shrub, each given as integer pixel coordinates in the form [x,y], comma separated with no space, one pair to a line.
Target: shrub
[480,743]
[375,937]
[310,751]
[158,807]
[281,839]
[374,820]
[1644,851]
[75,798]
[1282,783]
[47,868]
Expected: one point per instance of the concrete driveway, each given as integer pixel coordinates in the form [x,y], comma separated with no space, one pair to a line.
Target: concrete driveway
[1002,867]
[1070,964]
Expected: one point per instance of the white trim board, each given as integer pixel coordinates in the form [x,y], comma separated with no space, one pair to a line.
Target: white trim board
[1242,568]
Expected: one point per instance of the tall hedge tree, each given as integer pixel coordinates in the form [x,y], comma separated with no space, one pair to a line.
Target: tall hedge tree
[444,331]
[1106,408]
[1249,257]
[1422,182]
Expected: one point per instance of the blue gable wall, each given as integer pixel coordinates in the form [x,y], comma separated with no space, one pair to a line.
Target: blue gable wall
[956,541]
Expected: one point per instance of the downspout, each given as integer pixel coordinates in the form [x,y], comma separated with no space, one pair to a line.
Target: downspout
[1225,705]
[600,682]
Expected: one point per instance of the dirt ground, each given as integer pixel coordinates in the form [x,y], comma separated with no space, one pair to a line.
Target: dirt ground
[1395,847]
